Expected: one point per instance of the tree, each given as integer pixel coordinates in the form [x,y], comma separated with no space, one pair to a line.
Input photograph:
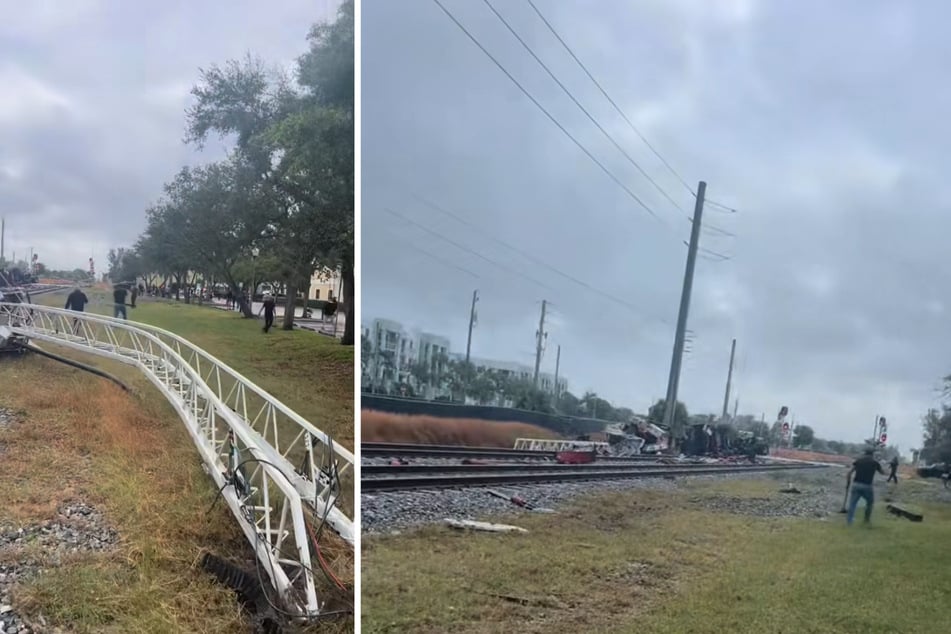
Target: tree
[568,404]
[125,265]
[936,427]
[803,436]
[206,221]
[302,144]
[681,418]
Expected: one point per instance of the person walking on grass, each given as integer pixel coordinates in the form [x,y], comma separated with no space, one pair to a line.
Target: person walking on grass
[268,309]
[118,299]
[862,474]
[76,301]
[893,470]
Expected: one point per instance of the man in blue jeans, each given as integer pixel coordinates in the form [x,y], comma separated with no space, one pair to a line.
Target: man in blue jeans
[118,298]
[862,473]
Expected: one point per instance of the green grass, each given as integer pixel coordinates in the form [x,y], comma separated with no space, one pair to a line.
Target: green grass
[651,562]
[310,373]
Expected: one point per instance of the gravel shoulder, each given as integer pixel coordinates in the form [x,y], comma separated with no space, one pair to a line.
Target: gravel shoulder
[822,492]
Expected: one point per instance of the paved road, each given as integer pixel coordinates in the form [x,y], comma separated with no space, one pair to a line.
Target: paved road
[333,326]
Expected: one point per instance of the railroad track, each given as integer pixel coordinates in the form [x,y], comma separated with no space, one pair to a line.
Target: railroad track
[406,450]
[397,478]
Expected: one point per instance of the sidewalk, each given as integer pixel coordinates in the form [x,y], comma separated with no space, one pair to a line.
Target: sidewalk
[334,326]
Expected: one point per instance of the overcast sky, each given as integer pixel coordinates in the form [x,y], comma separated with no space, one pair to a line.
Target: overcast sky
[822,123]
[92,108]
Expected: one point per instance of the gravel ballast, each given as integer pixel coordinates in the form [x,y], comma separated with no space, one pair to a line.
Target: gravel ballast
[821,493]
[76,528]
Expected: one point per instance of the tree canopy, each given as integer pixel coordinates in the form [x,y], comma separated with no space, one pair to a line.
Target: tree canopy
[285,192]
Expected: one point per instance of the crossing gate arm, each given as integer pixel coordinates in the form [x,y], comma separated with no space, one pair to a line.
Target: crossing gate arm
[271,508]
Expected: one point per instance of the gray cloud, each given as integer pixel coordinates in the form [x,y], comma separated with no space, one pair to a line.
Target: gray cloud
[92,110]
[820,122]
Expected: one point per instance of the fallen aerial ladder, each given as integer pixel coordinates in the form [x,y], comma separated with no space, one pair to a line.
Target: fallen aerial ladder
[274,469]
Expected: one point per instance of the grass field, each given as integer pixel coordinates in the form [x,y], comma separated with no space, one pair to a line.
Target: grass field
[385,427]
[80,437]
[310,373]
[652,562]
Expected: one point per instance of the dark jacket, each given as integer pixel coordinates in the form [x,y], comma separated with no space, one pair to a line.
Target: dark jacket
[76,300]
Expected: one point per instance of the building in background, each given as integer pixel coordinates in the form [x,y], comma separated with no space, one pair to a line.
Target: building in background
[325,283]
[394,356]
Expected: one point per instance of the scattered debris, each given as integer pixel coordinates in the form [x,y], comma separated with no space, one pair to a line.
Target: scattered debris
[574,457]
[519,501]
[399,462]
[542,602]
[790,489]
[903,512]
[483,526]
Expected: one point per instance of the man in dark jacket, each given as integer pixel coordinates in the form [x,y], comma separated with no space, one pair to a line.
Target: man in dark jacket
[118,297]
[268,310]
[76,301]
[862,473]
[893,470]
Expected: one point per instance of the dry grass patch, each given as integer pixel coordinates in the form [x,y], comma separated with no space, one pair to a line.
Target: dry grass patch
[79,436]
[385,427]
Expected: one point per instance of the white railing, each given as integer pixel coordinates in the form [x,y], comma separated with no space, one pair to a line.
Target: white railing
[547,444]
[278,473]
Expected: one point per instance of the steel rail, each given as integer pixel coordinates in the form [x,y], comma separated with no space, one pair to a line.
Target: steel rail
[488,479]
[379,471]
[387,450]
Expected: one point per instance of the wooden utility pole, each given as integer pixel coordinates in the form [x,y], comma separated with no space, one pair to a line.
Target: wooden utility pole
[540,336]
[557,367]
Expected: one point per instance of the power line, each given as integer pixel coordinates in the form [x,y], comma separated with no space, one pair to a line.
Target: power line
[529,256]
[709,252]
[593,289]
[582,108]
[621,112]
[427,253]
[608,97]
[475,41]
[466,249]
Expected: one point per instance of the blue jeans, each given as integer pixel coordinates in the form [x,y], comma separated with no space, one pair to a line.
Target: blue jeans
[119,310]
[864,491]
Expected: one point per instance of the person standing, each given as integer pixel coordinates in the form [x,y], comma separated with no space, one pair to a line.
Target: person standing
[862,474]
[76,301]
[118,300]
[134,294]
[268,309]
[893,470]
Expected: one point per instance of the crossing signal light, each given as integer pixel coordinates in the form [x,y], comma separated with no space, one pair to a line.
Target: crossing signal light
[884,438]
[785,427]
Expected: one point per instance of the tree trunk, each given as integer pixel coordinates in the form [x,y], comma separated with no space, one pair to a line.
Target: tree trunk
[290,300]
[348,331]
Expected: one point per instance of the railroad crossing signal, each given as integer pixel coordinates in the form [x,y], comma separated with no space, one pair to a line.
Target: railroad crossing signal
[783,411]
[785,427]
[884,437]
[881,425]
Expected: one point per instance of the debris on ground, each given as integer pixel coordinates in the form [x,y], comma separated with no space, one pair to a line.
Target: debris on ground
[903,512]
[483,526]
[519,501]
[790,489]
